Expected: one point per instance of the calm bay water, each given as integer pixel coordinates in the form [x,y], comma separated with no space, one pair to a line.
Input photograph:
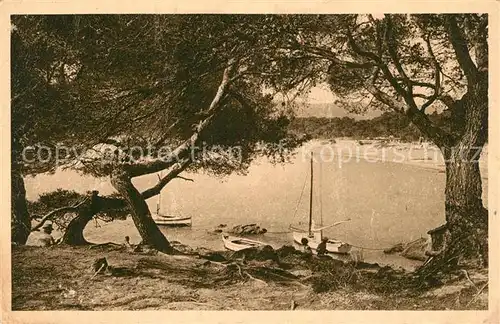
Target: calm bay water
[387,203]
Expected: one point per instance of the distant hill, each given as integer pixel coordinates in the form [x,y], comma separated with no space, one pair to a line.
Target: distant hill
[330,110]
[387,124]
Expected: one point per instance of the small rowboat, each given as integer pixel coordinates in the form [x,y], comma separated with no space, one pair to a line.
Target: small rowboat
[164,220]
[234,243]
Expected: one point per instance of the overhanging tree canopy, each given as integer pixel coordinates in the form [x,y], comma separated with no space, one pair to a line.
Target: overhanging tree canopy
[181,82]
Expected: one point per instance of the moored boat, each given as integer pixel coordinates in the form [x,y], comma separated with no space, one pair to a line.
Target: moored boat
[164,220]
[314,235]
[332,246]
[168,220]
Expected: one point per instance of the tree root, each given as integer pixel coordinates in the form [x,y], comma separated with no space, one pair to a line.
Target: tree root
[253,278]
[254,271]
[92,246]
[239,270]
[103,266]
[468,278]
[447,261]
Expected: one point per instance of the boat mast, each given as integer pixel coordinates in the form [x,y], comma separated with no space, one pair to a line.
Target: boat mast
[311,197]
[159,198]
[320,177]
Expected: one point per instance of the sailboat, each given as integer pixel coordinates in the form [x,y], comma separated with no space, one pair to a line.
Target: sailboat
[168,220]
[313,234]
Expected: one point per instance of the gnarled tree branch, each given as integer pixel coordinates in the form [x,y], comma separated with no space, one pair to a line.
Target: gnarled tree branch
[437,76]
[58,210]
[184,178]
[420,119]
[392,49]
[172,174]
[184,150]
[325,53]
[459,44]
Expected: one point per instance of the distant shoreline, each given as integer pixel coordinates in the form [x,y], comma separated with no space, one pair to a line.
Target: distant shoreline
[423,155]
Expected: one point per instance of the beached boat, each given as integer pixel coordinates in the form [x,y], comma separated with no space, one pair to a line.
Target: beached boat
[235,243]
[314,235]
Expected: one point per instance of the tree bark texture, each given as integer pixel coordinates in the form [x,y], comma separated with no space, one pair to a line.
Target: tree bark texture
[149,231]
[20,218]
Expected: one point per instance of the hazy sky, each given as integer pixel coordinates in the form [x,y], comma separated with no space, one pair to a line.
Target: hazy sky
[320,103]
[320,95]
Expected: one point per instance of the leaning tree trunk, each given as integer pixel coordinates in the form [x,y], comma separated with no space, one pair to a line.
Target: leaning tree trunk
[85,213]
[20,218]
[149,231]
[74,231]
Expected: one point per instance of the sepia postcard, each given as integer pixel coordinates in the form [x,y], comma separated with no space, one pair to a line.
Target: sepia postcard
[241,162]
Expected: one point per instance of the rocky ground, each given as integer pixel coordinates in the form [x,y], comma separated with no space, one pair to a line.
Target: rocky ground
[63,278]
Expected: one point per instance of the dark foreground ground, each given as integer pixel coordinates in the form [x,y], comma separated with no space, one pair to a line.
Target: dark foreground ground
[62,278]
